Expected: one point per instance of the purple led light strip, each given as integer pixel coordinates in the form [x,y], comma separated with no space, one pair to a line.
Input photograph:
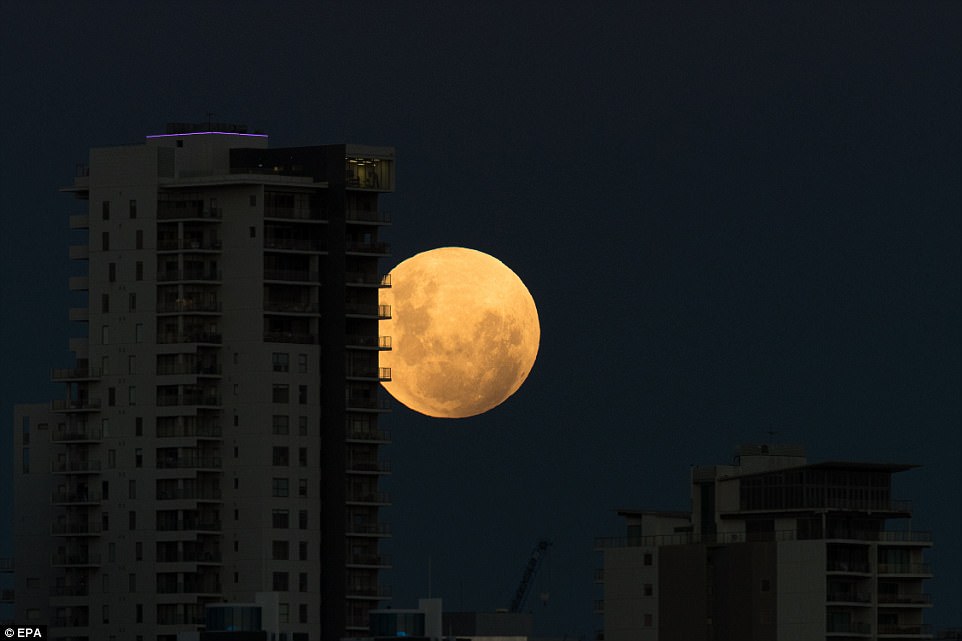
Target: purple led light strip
[200,133]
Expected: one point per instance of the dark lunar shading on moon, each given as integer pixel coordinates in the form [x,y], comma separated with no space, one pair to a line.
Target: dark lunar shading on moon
[464,331]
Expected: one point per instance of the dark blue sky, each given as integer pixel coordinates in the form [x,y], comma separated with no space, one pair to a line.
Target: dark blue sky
[732,219]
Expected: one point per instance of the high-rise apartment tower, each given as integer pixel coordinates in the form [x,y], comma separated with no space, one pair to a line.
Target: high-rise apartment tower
[218,435]
[774,549]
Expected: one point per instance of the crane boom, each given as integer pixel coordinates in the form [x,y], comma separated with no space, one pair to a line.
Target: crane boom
[534,562]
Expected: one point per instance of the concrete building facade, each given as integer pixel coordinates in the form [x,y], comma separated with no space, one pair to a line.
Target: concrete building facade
[218,435]
[774,549]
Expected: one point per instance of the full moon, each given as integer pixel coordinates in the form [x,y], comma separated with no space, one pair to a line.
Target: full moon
[464,332]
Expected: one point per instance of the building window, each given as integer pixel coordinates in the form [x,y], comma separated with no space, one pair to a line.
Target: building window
[112,272]
[302,487]
[302,582]
[280,519]
[133,208]
[138,457]
[279,487]
[302,456]
[140,613]
[139,270]
[132,395]
[279,424]
[649,620]
[131,489]
[648,558]
[111,396]
[132,583]
[302,363]
[302,613]
[281,456]
[138,425]
[132,302]
[302,519]
[302,394]
[253,232]
[105,241]
[139,239]
[105,488]
[648,589]
[280,582]
[766,585]
[139,333]
[280,551]
[25,461]
[139,551]
[105,335]
[302,551]
[280,361]
[105,209]
[281,393]
[105,521]
[302,425]
[131,364]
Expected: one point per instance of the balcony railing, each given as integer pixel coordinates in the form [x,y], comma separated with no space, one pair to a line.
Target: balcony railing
[189,494]
[380,312]
[366,403]
[213,338]
[371,560]
[189,587]
[189,462]
[368,247]
[370,373]
[76,433]
[370,498]
[69,590]
[354,215]
[849,597]
[291,307]
[292,275]
[79,620]
[853,567]
[176,275]
[179,244]
[76,405]
[294,244]
[904,599]
[905,568]
[75,497]
[741,537]
[368,341]
[188,306]
[366,278]
[75,558]
[369,466]
[190,427]
[905,629]
[369,591]
[848,627]
[167,212]
[368,434]
[211,556]
[75,373]
[200,369]
[90,528]
[289,337]
[209,398]
[294,213]
[189,525]
[368,529]
[76,467]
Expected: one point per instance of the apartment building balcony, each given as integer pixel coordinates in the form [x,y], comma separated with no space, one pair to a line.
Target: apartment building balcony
[189,244]
[374,374]
[79,221]
[366,279]
[77,559]
[368,498]
[368,466]
[189,427]
[300,214]
[76,433]
[189,368]
[368,310]
[849,598]
[79,252]
[189,525]
[75,405]
[206,556]
[379,530]
[171,211]
[848,567]
[190,275]
[207,586]
[208,338]
[904,536]
[923,570]
[848,629]
[904,631]
[371,217]
[309,245]
[291,276]
[365,403]
[80,496]
[290,337]
[79,314]
[189,306]
[369,561]
[76,528]
[75,374]
[368,248]
[206,398]
[913,600]
[200,494]
[70,590]
[368,592]
[366,341]
[189,462]
[78,283]
[75,467]
[367,435]
[296,308]
[78,619]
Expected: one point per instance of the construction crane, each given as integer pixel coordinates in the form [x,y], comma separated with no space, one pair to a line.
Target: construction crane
[534,562]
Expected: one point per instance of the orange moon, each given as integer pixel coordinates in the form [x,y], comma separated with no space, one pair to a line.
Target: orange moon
[464,332]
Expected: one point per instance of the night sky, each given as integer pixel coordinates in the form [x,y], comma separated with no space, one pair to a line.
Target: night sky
[733,220]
